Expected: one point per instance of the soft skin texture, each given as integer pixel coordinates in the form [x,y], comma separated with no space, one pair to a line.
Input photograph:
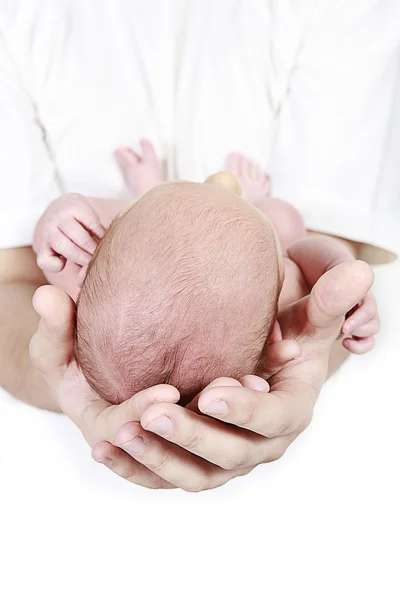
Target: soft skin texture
[53,381]
[130,331]
[183,287]
[194,452]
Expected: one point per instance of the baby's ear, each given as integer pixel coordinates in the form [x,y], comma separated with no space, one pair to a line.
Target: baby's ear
[225,180]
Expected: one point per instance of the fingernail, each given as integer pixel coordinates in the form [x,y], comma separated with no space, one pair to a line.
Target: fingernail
[162,426]
[219,407]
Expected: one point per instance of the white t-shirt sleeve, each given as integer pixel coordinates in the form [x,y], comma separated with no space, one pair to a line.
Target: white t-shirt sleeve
[28,179]
[337,123]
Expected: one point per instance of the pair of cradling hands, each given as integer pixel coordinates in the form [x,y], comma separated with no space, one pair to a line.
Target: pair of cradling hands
[231,426]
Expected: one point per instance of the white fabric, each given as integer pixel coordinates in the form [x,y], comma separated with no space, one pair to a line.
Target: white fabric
[306,88]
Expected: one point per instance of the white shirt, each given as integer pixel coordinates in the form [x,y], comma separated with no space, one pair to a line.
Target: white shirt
[308,89]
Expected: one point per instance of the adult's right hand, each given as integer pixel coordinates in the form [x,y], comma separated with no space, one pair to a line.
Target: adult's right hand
[51,351]
[232,426]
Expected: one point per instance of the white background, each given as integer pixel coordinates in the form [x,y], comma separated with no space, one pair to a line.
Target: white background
[321,523]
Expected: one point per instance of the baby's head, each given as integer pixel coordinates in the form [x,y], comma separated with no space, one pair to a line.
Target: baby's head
[182,289]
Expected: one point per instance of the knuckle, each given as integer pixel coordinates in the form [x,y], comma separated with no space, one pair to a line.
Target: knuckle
[306,421]
[199,483]
[259,458]
[238,460]
[158,463]
[126,472]
[276,452]
[246,417]
[192,441]
[277,426]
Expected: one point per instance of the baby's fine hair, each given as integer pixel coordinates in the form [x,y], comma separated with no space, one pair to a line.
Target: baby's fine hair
[182,289]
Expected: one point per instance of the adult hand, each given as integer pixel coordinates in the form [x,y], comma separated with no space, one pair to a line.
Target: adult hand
[51,351]
[250,424]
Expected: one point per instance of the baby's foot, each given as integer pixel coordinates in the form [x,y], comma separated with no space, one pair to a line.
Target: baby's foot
[254,182]
[141,173]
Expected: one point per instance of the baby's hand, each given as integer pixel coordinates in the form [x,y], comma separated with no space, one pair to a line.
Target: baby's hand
[362,324]
[70,230]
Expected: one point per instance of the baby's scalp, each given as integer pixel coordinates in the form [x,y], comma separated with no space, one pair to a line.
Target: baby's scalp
[182,289]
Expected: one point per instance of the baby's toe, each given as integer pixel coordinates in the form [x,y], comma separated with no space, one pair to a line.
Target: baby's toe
[149,154]
[126,157]
[232,163]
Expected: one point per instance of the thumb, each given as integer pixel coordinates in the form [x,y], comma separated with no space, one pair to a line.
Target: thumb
[51,347]
[336,292]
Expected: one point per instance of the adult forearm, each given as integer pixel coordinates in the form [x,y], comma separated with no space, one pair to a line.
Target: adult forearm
[18,322]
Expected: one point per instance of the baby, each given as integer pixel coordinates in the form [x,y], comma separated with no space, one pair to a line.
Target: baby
[183,284]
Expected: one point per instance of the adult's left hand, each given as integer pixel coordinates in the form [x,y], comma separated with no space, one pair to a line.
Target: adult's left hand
[252,423]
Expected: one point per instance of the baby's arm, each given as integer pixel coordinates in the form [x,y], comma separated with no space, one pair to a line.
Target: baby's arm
[314,256]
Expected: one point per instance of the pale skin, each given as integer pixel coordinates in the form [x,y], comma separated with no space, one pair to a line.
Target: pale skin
[70,229]
[190,456]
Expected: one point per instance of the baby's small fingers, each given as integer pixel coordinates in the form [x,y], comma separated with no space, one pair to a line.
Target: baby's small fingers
[65,247]
[367,330]
[359,346]
[91,221]
[47,260]
[362,315]
[78,234]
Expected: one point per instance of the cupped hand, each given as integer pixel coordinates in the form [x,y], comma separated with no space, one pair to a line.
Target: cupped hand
[232,426]
[51,351]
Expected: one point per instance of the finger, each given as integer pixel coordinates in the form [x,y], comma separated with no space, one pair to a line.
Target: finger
[51,347]
[268,414]
[171,462]
[148,151]
[64,246]
[103,425]
[120,463]
[369,329]
[47,260]
[77,233]
[252,382]
[337,291]
[362,315]
[220,381]
[82,275]
[277,355]
[359,346]
[218,443]
[91,221]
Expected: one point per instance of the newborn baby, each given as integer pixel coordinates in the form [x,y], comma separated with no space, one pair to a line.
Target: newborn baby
[184,285]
